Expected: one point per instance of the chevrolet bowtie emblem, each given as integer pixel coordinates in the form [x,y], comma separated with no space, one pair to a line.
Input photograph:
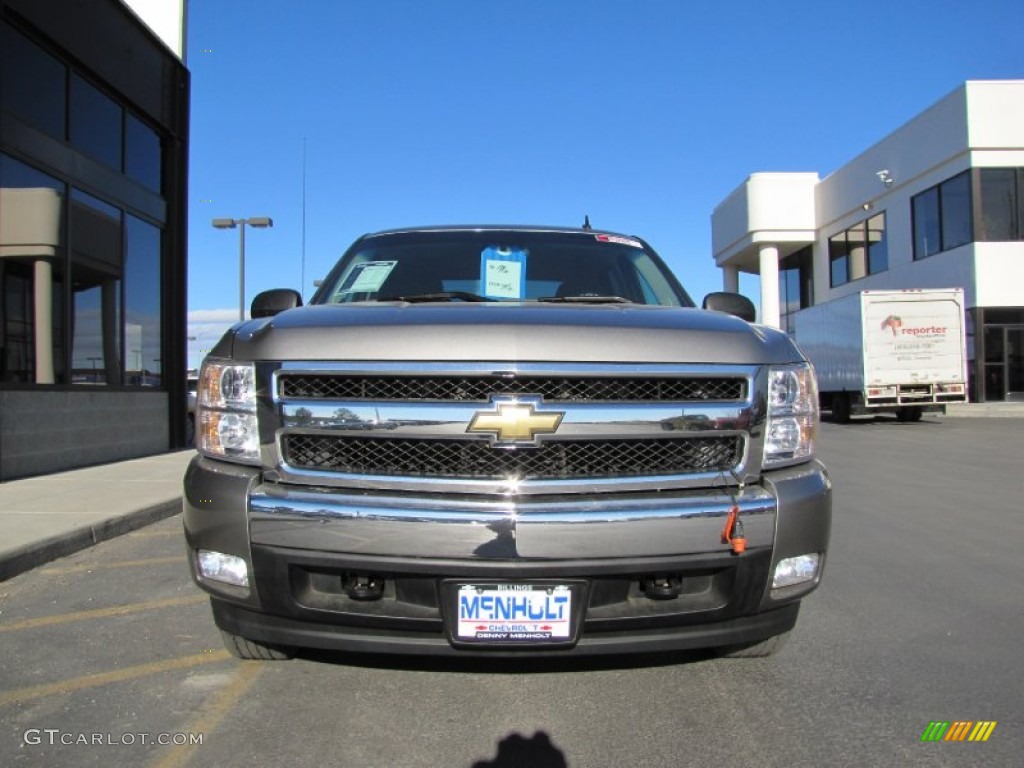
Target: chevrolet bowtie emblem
[515,423]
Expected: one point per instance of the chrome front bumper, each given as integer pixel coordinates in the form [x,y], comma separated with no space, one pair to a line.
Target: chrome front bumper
[227,508]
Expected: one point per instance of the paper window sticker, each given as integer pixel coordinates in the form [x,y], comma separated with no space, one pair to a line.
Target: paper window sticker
[367,277]
[620,240]
[503,273]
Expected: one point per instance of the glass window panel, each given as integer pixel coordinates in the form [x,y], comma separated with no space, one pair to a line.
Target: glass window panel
[143,307]
[999,206]
[33,84]
[142,154]
[878,245]
[956,211]
[32,269]
[95,290]
[838,259]
[926,223]
[995,383]
[95,124]
[856,248]
[1007,316]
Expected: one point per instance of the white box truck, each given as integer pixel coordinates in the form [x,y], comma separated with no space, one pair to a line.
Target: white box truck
[901,351]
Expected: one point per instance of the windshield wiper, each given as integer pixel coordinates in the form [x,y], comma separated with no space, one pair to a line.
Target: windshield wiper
[419,298]
[585,299]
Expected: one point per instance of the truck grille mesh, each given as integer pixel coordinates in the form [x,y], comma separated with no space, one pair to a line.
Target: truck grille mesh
[480,388]
[474,459]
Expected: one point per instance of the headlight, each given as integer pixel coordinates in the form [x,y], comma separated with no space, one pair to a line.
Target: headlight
[227,426]
[792,428]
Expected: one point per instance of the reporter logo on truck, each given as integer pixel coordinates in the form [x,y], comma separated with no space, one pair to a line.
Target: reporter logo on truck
[894,323]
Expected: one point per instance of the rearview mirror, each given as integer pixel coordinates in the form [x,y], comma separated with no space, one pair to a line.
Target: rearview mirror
[275,301]
[733,303]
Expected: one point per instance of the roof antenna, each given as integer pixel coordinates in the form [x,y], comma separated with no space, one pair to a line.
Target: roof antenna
[586,223]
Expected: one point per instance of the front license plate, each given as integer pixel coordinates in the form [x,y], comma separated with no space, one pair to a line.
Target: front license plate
[514,614]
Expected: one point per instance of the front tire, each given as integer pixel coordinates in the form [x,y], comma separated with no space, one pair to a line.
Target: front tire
[250,650]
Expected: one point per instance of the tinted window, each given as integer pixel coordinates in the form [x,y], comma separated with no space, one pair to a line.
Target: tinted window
[956,212]
[95,125]
[838,260]
[142,153]
[926,224]
[1000,205]
[32,82]
[95,290]
[32,241]
[142,304]
[878,245]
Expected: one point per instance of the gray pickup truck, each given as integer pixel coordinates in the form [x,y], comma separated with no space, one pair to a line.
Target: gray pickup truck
[505,442]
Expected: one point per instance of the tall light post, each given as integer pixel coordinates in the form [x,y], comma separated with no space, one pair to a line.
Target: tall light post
[257,221]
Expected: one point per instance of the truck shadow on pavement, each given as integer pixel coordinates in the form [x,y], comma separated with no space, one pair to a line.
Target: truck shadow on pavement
[504,665]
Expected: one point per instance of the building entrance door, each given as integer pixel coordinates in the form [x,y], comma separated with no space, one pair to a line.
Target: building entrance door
[1004,363]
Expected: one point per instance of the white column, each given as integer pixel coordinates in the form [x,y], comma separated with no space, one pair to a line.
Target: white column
[730,279]
[769,264]
[43,320]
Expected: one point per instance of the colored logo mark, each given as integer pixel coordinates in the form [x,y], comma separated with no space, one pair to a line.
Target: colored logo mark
[515,423]
[958,730]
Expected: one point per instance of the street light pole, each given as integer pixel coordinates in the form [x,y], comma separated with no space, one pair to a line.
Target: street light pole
[256,221]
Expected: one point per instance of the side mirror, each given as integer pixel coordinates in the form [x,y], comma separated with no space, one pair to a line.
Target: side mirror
[274,301]
[733,303]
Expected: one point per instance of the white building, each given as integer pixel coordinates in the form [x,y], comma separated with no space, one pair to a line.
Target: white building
[939,203]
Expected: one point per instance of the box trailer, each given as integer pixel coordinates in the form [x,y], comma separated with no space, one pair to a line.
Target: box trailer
[901,351]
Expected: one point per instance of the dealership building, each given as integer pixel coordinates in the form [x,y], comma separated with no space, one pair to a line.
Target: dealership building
[94,100]
[939,203]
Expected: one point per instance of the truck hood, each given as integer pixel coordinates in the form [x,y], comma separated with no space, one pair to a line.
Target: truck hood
[527,332]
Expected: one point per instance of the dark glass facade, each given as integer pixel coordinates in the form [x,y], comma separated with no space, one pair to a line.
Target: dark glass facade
[1001,204]
[796,286]
[93,159]
[980,205]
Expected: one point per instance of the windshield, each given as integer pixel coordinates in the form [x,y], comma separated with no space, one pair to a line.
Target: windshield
[501,265]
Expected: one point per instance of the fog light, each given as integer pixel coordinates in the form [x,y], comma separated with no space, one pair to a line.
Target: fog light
[795,570]
[217,566]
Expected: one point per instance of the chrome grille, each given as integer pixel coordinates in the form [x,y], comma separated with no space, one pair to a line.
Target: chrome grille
[472,459]
[480,388]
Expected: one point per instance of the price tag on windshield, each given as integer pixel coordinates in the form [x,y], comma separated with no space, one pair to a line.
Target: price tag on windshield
[367,277]
[503,272]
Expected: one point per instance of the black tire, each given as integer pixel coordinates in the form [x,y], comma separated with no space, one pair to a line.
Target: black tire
[841,408]
[243,648]
[909,414]
[757,650]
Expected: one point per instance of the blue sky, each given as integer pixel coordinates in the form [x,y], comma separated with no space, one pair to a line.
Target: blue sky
[643,115]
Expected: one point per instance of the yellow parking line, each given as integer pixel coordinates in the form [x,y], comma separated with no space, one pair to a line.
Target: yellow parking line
[58,571]
[99,613]
[212,713]
[106,678]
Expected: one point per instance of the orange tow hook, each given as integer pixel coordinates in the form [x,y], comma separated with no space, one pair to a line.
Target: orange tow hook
[733,532]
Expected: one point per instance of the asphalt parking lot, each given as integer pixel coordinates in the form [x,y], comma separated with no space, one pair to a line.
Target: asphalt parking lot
[111,657]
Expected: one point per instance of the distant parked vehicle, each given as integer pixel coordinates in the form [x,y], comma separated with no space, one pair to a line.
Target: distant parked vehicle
[897,351]
[191,385]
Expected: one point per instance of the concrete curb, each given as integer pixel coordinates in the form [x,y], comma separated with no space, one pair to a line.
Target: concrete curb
[30,556]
